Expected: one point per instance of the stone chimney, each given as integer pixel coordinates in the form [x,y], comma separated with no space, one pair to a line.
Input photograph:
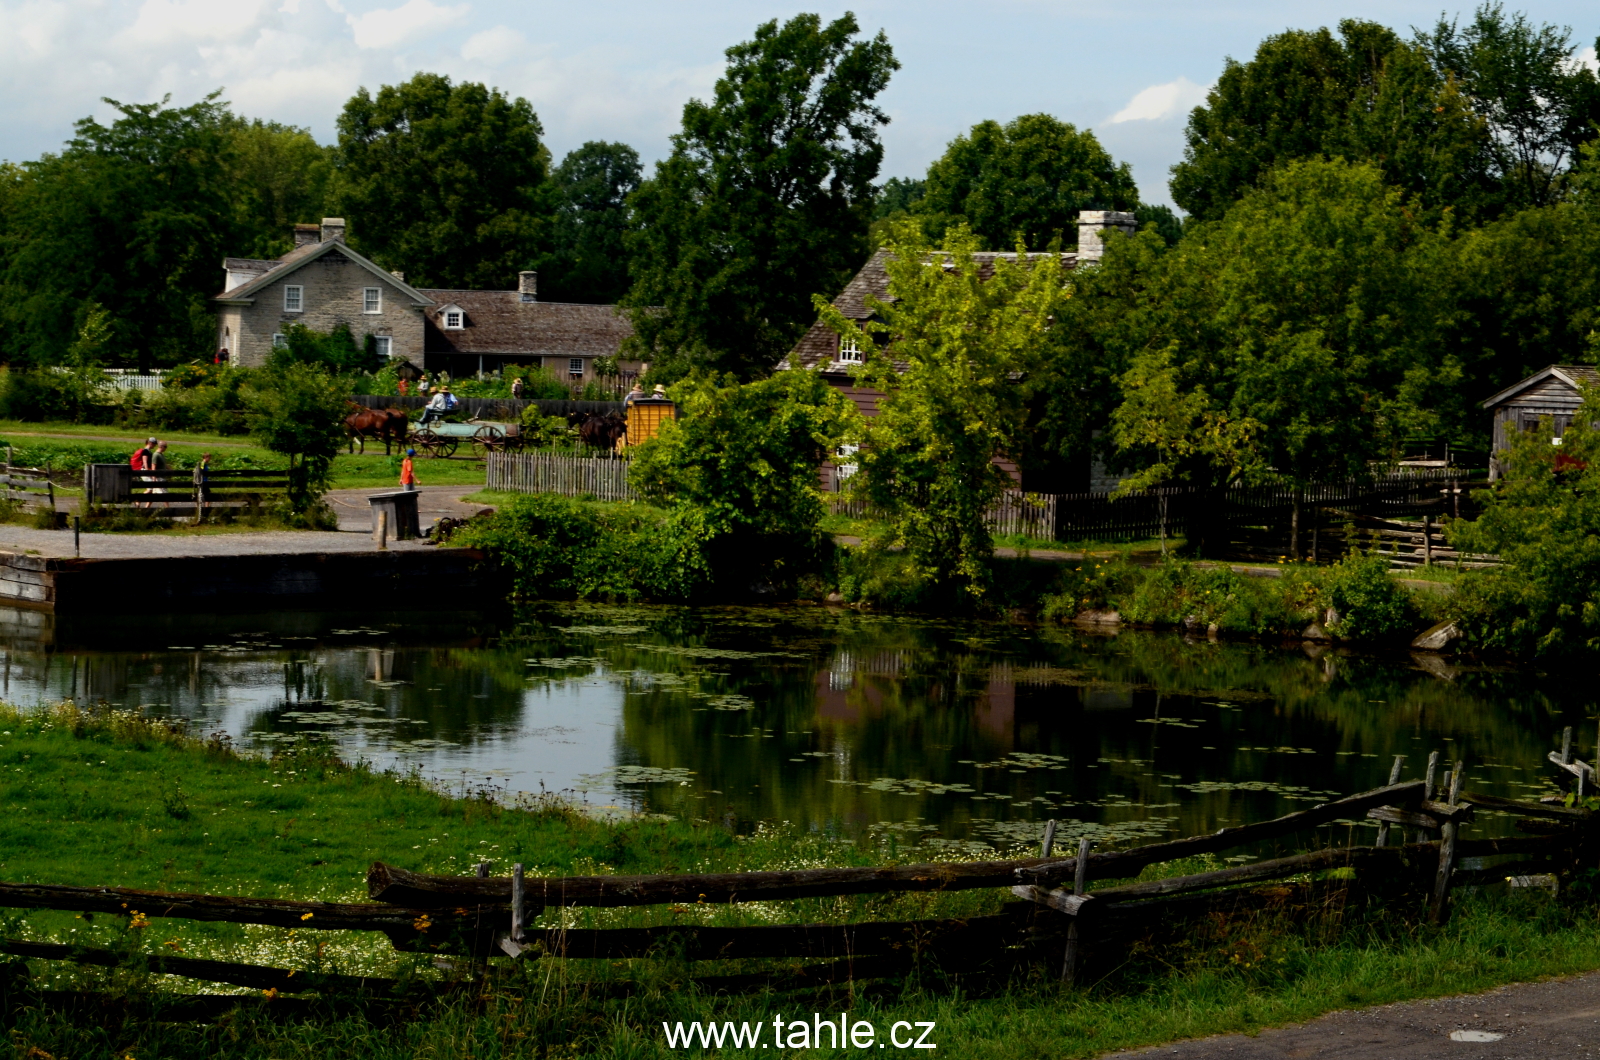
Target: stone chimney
[333,229]
[528,285]
[1091,223]
[397,274]
[306,235]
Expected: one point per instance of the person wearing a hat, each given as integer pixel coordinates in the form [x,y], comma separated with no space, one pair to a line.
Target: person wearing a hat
[408,475]
[659,393]
[436,407]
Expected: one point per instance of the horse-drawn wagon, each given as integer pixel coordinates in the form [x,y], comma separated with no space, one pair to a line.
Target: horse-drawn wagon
[443,439]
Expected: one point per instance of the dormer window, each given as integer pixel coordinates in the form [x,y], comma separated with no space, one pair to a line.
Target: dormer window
[294,299]
[452,318]
[849,350]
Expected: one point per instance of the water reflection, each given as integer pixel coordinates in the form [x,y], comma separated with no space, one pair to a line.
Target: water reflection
[950,733]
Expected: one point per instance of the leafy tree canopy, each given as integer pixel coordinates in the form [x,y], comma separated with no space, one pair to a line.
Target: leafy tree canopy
[134,215]
[588,259]
[1543,520]
[1025,180]
[763,202]
[443,181]
[279,176]
[1485,118]
[1296,339]
[298,410]
[947,351]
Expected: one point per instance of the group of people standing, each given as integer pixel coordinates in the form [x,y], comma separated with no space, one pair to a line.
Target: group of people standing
[152,456]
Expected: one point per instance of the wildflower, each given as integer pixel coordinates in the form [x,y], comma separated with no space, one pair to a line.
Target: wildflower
[138,919]
[422,923]
[308,916]
[271,994]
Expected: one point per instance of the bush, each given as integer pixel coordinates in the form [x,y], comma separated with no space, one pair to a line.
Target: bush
[202,398]
[560,547]
[39,394]
[1369,603]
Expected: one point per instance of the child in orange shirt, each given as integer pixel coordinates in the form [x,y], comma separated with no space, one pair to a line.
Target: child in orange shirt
[408,477]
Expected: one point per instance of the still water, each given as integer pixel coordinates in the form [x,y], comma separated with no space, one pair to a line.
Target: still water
[944,733]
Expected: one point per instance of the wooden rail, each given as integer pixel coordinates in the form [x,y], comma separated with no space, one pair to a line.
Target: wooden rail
[482,916]
[29,487]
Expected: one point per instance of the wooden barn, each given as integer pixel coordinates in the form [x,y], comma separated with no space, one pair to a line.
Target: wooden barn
[1553,392]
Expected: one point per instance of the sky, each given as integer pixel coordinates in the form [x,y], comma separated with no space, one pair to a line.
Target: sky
[622,69]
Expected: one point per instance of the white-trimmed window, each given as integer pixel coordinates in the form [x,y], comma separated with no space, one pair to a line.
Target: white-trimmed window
[279,342]
[849,350]
[294,299]
[372,299]
[384,345]
[575,367]
[453,319]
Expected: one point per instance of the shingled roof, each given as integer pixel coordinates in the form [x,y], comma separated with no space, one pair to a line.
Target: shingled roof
[818,348]
[501,323]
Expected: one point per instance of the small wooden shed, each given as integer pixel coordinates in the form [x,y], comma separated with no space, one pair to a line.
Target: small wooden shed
[1553,392]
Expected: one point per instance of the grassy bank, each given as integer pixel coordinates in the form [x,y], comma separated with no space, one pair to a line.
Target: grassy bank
[115,799]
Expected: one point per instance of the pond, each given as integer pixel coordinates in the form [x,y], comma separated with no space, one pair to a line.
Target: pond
[945,734]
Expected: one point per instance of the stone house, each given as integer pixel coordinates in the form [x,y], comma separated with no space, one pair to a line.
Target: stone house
[323,282]
[479,331]
[824,351]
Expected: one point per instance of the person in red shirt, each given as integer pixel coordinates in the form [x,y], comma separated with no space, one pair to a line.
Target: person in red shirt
[408,476]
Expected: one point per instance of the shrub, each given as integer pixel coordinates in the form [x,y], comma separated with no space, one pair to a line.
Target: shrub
[1370,604]
[561,547]
[39,394]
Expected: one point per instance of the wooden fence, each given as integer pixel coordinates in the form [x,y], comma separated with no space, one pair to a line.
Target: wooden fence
[1060,918]
[28,487]
[174,493]
[604,477]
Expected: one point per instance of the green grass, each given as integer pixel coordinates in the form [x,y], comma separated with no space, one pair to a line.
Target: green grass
[114,799]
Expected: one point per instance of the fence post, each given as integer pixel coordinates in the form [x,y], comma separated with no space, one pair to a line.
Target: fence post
[1069,964]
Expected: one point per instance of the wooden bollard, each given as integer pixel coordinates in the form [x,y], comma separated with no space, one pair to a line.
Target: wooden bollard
[1566,746]
[1440,910]
[1049,838]
[1394,778]
[380,533]
[1069,962]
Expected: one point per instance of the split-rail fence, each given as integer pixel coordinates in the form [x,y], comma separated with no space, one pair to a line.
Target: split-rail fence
[466,920]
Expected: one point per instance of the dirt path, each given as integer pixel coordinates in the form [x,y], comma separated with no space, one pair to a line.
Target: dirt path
[1526,1021]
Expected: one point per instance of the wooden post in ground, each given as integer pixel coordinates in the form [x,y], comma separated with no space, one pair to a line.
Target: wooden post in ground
[1069,964]
[1427,790]
[518,903]
[1049,838]
[1394,778]
[381,533]
[1440,911]
[1566,746]
[1427,541]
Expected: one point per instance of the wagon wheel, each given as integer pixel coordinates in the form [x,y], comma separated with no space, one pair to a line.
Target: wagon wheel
[490,438]
[445,447]
[435,445]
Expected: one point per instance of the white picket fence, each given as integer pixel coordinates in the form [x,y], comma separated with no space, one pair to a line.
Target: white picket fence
[129,379]
[605,478]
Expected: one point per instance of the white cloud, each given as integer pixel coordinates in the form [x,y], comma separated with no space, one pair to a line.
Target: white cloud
[494,46]
[1587,57]
[168,20]
[1159,102]
[387,27]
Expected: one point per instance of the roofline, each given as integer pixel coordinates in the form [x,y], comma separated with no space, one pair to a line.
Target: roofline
[245,293]
[1558,370]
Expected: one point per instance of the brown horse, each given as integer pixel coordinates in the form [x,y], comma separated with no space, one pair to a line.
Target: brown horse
[362,423]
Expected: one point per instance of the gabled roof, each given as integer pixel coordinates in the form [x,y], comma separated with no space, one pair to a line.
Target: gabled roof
[1570,374]
[299,257]
[818,348]
[500,322]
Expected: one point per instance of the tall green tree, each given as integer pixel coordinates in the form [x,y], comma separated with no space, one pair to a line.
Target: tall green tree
[1364,95]
[763,202]
[136,216]
[1025,180]
[951,351]
[1538,103]
[444,181]
[588,260]
[1293,341]
[279,176]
